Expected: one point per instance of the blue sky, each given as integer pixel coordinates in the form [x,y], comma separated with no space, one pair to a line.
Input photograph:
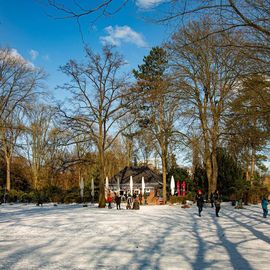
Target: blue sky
[31,27]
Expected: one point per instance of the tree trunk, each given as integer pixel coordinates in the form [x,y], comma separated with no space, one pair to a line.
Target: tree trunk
[102,136]
[35,179]
[8,172]
[164,174]
[211,170]
[102,201]
[253,161]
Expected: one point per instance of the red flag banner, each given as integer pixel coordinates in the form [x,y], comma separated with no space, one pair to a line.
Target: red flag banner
[178,188]
[183,188]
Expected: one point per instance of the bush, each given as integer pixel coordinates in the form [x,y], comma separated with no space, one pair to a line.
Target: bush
[73,197]
[225,198]
[176,199]
[12,196]
[52,194]
[191,196]
[2,192]
[255,194]
[17,196]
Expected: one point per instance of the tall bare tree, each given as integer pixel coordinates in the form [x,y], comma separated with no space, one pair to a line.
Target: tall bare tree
[228,13]
[207,76]
[19,84]
[9,136]
[39,124]
[249,124]
[98,93]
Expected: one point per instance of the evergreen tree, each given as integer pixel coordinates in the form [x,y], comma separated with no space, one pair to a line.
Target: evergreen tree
[155,106]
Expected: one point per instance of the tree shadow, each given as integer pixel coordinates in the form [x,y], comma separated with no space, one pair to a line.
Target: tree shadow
[83,238]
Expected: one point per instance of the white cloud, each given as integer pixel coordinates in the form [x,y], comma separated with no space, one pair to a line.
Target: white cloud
[119,34]
[14,55]
[34,54]
[146,4]
[46,57]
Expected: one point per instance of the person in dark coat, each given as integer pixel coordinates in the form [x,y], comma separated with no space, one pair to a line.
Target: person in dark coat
[264,207]
[129,202]
[145,198]
[212,199]
[140,197]
[136,205]
[217,201]
[118,201]
[200,201]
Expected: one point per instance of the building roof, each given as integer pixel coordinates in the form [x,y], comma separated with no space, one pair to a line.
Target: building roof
[151,178]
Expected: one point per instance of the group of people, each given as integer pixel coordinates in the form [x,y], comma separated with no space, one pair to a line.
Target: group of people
[132,201]
[215,200]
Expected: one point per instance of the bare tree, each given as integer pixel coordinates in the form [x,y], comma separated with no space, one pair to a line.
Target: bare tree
[92,8]
[249,123]
[229,13]
[207,76]
[98,102]
[19,83]
[9,136]
[39,123]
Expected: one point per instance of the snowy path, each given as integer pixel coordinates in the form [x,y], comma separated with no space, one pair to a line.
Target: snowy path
[155,237]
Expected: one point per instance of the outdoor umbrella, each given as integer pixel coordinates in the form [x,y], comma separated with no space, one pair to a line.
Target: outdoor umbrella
[107,183]
[131,185]
[106,187]
[143,185]
[172,185]
[118,184]
[92,188]
[81,187]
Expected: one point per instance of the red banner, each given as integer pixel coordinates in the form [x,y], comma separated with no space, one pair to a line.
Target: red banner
[178,188]
[184,188]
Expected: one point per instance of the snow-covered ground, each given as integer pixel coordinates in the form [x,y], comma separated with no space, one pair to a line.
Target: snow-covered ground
[154,237]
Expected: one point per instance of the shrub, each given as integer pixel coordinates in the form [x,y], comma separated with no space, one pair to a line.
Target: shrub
[191,196]
[73,197]
[12,196]
[52,194]
[176,199]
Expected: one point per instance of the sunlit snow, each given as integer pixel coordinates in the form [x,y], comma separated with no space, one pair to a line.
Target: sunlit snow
[154,237]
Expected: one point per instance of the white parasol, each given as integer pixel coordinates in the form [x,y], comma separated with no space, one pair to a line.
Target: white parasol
[131,185]
[92,187]
[143,185]
[81,187]
[172,185]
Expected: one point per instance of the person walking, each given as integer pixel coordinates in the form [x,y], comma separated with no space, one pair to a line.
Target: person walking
[200,201]
[145,198]
[140,197]
[118,201]
[109,200]
[217,201]
[212,199]
[129,202]
[264,207]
